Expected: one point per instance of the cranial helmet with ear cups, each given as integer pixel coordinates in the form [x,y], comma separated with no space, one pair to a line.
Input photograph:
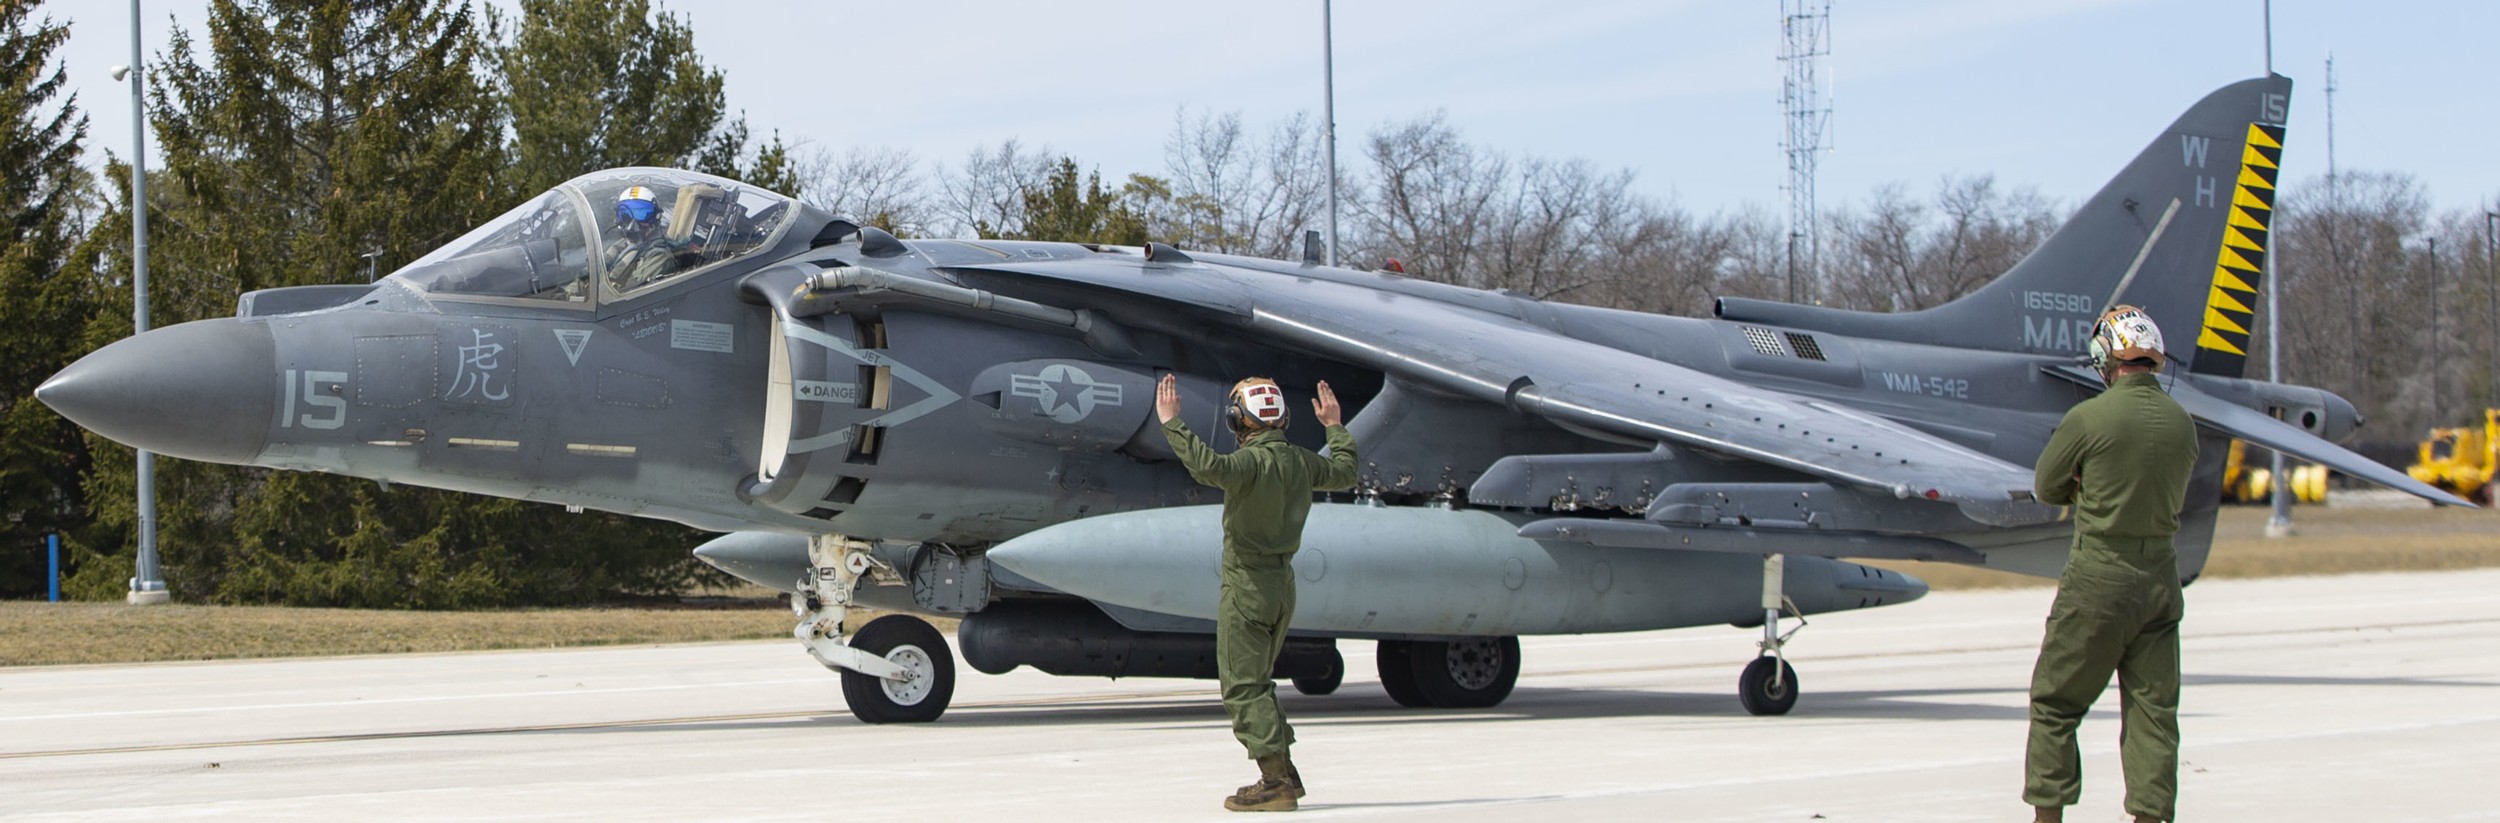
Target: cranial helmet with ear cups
[1256,404]
[2126,334]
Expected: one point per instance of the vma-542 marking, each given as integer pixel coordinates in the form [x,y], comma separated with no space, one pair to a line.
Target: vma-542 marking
[960,428]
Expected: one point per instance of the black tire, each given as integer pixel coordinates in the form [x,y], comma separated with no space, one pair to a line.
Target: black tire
[1397,673]
[1469,673]
[1323,683]
[913,644]
[1761,696]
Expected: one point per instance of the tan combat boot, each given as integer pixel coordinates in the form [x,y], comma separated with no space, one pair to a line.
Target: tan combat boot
[2048,814]
[1293,776]
[1277,790]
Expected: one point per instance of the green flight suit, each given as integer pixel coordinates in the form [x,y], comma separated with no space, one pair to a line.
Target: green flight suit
[2122,459]
[1267,487]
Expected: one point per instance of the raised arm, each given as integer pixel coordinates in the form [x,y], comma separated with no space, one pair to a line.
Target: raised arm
[1204,464]
[1340,472]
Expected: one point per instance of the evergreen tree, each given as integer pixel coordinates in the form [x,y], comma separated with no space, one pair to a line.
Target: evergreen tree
[41,455]
[302,134]
[1067,209]
[596,84]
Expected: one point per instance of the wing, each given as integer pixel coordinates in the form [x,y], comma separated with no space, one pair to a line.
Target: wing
[1480,353]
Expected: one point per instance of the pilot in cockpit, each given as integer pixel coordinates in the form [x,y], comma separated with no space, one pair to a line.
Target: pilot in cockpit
[638,214]
[638,249]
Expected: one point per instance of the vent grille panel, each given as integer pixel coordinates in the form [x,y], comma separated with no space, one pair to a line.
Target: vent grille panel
[1805,347]
[1764,342]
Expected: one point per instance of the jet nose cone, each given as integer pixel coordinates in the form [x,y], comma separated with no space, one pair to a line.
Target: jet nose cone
[201,390]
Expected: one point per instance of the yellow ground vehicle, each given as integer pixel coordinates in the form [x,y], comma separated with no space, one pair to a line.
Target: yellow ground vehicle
[2245,483]
[2462,460]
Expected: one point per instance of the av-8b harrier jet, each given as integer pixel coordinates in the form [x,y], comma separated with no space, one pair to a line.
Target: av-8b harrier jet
[960,428]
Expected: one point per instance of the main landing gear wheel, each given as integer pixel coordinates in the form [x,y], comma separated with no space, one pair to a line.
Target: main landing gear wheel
[1764,694]
[1769,685]
[914,645]
[1467,673]
[1325,682]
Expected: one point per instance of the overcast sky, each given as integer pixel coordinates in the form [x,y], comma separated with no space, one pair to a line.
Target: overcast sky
[2051,94]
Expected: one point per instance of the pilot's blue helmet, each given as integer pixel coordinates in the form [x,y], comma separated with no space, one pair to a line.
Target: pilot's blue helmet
[636,205]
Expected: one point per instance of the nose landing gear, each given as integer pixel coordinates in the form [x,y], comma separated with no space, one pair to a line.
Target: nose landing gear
[898,668]
[1768,685]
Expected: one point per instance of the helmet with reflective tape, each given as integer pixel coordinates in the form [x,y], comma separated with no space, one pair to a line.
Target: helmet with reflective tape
[1257,405]
[637,205]
[2125,334]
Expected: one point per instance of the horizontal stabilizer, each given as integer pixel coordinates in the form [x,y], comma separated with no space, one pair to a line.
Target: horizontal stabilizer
[2259,428]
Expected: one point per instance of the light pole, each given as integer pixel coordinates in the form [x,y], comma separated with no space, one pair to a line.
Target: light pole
[147,582]
[2280,524]
[2491,266]
[2438,360]
[1328,98]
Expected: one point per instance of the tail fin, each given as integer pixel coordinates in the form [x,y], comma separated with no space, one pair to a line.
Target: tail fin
[2200,270]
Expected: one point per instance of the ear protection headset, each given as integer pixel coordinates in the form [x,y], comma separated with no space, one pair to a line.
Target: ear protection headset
[1256,404]
[2125,333]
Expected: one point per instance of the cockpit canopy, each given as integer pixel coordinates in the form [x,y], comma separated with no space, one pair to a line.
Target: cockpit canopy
[616,233]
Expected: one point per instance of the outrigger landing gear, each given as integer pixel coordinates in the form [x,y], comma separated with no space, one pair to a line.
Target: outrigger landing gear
[898,669]
[1768,685]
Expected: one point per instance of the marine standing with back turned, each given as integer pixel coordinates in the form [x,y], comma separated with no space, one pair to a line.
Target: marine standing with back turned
[1267,487]
[2122,460]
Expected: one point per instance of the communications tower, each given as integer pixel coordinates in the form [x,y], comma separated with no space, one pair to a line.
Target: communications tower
[1805,30]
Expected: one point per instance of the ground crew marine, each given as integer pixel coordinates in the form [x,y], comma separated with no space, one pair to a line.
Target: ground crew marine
[1267,487]
[2122,460]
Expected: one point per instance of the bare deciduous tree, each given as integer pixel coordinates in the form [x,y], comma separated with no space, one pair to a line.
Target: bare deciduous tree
[879,184]
[1230,193]
[1902,255]
[2357,295]
[1431,200]
[988,195]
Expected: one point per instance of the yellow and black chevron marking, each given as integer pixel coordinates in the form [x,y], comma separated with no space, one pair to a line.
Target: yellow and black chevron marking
[2240,268]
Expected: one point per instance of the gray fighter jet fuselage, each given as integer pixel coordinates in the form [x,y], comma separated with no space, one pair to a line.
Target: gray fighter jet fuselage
[966,427]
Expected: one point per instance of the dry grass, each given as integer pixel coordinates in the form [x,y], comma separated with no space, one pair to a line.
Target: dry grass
[56,633]
[2327,541]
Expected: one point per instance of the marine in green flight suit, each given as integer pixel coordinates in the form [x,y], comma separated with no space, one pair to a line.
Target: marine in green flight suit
[2122,460]
[1267,487]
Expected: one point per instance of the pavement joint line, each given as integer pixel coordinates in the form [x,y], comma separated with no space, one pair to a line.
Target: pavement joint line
[558,727]
[1897,653]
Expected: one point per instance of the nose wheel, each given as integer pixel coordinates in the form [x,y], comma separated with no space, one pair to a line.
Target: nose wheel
[927,683]
[897,669]
[1769,686]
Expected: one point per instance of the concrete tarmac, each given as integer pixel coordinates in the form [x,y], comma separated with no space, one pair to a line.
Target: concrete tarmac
[2356,698]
